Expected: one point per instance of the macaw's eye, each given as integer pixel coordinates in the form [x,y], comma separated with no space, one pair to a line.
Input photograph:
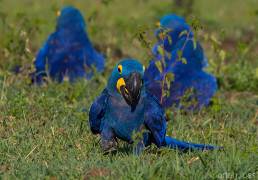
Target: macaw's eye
[120,68]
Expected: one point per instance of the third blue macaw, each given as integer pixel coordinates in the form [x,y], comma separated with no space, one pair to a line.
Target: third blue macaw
[68,51]
[125,107]
[189,76]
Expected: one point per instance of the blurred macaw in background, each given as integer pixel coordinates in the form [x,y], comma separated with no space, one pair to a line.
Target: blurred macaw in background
[68,51]
[125,107]
[185,59]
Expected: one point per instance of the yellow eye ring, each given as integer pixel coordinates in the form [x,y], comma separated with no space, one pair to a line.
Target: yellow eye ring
[120,68]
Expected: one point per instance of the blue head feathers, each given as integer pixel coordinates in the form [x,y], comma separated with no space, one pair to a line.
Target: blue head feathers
[172,25]
[175,35]
[70,18]
[68,51]
[126,73]
[171,28]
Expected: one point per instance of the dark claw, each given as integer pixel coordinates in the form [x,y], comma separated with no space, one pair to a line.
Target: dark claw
[108,146]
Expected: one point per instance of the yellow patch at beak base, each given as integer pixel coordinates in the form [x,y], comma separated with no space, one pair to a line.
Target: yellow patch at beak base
[120,82]
[158,24]
[58,13]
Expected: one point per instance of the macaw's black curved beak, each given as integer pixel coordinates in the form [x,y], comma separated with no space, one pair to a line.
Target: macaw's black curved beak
[131,91]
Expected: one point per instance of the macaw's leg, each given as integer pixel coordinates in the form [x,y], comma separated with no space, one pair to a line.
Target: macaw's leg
[108,142]
[146,141]
[137,150]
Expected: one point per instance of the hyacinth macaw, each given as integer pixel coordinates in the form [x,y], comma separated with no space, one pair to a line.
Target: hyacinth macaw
[125,107]
[189,76]
[68,51]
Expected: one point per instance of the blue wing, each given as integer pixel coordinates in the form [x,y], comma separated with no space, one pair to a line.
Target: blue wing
[97,111]
[92,57]
[154,121]
[40,62]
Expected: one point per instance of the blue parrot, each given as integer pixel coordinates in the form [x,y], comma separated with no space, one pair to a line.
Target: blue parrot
[125,107]
[189,76]
[68,51]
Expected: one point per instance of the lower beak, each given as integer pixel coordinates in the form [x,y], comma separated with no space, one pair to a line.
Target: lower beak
[131,91]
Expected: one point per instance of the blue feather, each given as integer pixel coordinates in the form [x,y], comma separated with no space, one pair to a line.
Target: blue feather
[112,117]
[97,112]
[68,51]
[185,146]
[189,75]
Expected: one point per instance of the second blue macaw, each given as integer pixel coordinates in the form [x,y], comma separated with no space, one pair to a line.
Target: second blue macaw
[175,35]
[68,51]
[125,107]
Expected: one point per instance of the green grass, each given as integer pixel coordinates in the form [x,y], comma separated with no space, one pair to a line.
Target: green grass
[44,132]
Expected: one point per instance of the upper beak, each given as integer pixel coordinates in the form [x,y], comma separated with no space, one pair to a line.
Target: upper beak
[131,89]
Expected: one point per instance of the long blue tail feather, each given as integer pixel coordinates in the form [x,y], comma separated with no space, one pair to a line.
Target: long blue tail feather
[185,146]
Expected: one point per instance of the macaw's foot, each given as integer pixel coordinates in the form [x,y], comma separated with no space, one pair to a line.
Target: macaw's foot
[108,146]
[138,149]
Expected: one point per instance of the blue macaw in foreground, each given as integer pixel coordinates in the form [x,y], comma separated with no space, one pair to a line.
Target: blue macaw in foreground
[68,51]
[125,107]
[189,76]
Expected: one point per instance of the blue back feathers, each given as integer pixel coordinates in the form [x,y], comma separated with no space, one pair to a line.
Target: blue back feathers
[190,76]
[70,18]
[68,51]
